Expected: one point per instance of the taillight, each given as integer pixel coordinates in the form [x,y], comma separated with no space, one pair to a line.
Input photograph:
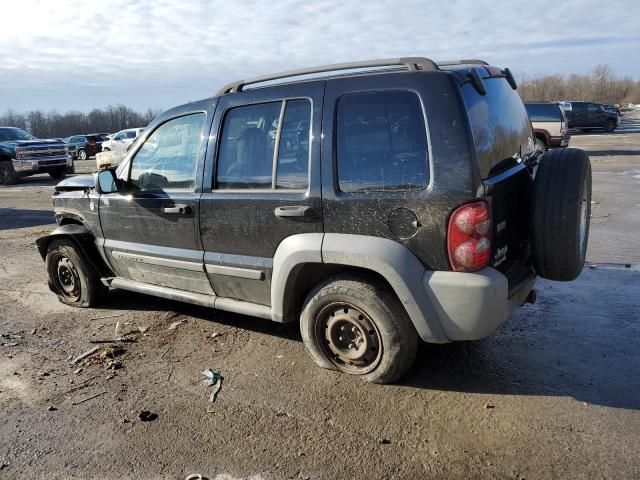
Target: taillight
[469,237]
[92,142]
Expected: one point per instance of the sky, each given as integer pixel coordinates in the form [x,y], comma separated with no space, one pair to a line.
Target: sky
[80,54]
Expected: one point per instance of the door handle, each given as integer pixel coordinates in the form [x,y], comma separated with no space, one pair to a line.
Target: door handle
[292,211]
[178,209]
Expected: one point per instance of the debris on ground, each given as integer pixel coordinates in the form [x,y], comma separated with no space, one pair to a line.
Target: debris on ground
[12,344]
[147,416]
[89,398]
[85,354]
[77,371]
[176,324]
[143,330]
[51,408]
[384,441]
[215,335]
[108,316]
[215,380]
[488,406]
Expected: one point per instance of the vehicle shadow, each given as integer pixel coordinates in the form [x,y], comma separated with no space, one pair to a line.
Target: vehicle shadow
[608,153]
[125,300]
[568,344]
[11,218]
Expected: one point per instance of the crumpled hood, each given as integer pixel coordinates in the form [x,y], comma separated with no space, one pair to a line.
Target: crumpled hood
[78,182]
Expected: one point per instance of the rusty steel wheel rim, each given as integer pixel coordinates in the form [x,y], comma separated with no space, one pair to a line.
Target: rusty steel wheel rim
[66,277]
[349,339]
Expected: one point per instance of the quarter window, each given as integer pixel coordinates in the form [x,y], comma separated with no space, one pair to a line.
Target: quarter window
[381,142]
[167,159]
[250,136]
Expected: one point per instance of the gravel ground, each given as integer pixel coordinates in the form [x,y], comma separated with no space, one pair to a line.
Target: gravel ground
[554,393]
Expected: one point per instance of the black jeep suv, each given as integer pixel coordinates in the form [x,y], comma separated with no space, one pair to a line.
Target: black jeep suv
[404,200]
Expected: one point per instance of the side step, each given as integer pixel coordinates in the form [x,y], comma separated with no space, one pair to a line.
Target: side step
[210,301]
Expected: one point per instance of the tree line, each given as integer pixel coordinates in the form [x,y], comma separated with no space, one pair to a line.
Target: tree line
[53,124]
[600,86]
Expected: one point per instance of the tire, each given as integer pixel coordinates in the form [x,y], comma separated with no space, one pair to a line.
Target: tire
[82,154]
[71,275]
[106,149]
[541,144]
[58,173]
[379,343]
[7,173]
[610,126]
[561,212]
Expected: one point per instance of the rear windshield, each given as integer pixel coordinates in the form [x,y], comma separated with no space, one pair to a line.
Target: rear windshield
[499,123]
[544,112]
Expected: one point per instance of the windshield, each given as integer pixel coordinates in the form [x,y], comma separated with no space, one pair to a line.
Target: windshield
[8,134]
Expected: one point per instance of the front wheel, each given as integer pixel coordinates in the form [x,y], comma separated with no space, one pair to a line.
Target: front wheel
[71,277]
[610,126]
[7,174]
[82,154]
[358,327]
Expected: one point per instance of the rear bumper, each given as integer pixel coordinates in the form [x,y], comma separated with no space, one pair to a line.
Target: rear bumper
[32,167]
[470,306]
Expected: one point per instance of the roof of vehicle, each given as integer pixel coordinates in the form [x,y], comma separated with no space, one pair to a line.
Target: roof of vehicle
[461,68]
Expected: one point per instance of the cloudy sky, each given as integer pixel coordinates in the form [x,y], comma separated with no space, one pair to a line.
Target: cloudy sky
[69,54]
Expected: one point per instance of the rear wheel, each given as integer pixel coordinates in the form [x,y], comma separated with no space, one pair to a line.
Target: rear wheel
[71,276]
[358,327]
[7,173]
[561,213]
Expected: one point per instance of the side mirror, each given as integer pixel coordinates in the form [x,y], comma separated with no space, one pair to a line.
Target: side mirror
[106,181]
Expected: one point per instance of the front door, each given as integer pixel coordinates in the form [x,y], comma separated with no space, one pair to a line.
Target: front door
[263,187]
[150,229]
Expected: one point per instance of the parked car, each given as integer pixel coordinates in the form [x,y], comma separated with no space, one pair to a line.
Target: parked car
[22,154]
[613,108]
[549,124]
[588,115]
[84,146]
[121,140]
[375,208]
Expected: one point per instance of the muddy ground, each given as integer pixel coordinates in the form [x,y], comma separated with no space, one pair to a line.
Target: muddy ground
[554,393]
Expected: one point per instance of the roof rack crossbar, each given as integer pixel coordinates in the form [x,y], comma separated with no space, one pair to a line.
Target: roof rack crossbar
[412,64]
[463,62]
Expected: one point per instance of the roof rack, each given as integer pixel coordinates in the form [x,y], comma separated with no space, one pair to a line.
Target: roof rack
[463,62]
[411,63]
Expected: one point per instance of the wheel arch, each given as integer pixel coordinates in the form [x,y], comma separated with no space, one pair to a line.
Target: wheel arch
[301,261]
[82,237]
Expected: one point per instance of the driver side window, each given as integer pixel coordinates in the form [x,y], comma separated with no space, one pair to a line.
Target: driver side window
[167,159]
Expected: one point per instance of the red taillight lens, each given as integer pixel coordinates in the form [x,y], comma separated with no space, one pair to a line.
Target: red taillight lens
[469,237]
[92,142]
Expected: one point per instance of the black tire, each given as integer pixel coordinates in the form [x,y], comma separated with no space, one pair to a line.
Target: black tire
[561,213]
[71,275]
[82,154]
[7,173]
[384,336]
[106,149]
[58,173]
[610,126]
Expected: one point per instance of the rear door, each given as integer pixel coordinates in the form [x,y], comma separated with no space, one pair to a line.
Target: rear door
[261,185]
[151,230]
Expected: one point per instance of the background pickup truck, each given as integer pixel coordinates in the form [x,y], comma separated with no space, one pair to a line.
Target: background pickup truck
[21,154]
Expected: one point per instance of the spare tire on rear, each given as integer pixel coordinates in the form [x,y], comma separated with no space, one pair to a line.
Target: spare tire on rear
[561,212]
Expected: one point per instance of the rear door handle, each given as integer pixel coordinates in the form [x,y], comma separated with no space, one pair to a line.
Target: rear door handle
[178,209]
[294,211]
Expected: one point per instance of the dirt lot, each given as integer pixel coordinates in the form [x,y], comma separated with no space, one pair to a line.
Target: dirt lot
[554,393]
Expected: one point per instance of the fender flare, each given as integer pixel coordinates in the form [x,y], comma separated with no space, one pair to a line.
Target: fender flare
[82,236]
[388,258]
[543,133]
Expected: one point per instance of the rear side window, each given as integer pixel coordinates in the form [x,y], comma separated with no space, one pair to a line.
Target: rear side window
[262,139]
[131,134]
[544,112]
[381,142]
[499,123]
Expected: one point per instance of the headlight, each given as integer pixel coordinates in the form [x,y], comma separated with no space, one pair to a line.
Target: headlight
[19,154]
